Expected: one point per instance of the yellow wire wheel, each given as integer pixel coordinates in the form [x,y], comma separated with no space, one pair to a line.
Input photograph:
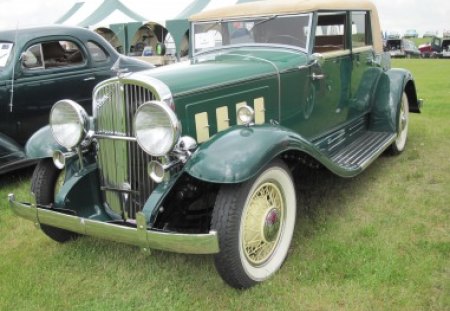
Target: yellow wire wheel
[262,220]
[255,223]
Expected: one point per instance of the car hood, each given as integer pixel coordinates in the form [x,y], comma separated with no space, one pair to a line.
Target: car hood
[226,67]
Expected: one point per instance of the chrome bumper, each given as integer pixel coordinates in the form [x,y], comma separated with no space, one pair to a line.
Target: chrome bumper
[139,236]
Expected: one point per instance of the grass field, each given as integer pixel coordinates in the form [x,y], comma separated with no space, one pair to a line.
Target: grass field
[419,41]
[380,241]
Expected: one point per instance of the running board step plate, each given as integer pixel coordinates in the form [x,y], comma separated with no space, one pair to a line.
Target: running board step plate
[363,150]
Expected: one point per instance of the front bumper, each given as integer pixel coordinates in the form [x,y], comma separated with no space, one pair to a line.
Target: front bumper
[140,236]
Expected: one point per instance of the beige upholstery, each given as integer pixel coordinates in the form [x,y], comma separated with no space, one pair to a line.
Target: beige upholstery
[329,43]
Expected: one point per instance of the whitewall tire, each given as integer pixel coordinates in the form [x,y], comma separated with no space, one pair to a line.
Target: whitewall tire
[255,222]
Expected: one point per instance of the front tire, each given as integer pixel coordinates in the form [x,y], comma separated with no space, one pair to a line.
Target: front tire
[402,127]
[45,183]
[255,222]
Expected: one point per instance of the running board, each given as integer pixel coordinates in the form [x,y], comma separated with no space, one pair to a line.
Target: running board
[363,150]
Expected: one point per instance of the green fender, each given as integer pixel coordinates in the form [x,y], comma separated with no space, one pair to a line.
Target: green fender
[388,95]
[239,153]
[42,144]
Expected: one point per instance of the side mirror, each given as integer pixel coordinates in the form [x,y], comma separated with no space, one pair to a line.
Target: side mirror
[317,59]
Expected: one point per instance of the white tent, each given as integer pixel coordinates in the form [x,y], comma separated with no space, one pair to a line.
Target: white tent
[126,17]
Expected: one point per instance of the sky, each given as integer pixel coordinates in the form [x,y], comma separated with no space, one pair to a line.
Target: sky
[395,15]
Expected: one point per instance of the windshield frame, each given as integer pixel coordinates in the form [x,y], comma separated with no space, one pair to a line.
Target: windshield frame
[258,20]
[9,55]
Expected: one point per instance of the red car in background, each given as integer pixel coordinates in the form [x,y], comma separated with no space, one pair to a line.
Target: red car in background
[437,47]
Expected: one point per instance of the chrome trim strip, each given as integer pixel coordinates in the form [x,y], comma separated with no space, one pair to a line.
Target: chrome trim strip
[207,243]
[157,87]
[104,136]
[116,189]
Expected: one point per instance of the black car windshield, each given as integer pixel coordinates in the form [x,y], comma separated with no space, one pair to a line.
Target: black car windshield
[292,30]
[5,53]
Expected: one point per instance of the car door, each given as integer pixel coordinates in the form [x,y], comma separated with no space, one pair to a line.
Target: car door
[50,69]
[331,79]
[436,45]
[364,73]
[101,62]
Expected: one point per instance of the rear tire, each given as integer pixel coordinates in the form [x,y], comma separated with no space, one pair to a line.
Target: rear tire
[399,144]
[45,183]
[255,222]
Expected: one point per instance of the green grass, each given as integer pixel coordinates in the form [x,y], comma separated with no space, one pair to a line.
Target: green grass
[380,241]
[419,41]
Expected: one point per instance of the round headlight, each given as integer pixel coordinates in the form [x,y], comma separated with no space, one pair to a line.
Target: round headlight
[157,128]
[68,122]
[246,115]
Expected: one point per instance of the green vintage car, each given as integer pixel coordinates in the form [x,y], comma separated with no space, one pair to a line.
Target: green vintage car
[197,157]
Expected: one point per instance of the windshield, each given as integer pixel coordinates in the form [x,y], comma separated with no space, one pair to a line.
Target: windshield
[5,52]
[292,30]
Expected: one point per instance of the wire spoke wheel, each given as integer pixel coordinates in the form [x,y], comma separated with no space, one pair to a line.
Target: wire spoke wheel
[261,223]
[255,222]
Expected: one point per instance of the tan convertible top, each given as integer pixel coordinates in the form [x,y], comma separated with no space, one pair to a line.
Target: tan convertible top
[280,7]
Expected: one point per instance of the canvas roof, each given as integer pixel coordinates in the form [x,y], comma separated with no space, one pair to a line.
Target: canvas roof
[279,7]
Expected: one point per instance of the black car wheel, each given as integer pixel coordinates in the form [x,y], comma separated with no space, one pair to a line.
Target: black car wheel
[45,183]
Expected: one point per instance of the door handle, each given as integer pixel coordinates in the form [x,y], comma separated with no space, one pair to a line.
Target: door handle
[315,76]
[89,79]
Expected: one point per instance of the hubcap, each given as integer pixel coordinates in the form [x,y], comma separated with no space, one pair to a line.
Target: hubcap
[262,225]
[271,225]
[403,119]
[403,124]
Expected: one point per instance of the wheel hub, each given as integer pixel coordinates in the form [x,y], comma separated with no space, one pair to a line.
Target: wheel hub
[404,121]
[263,222]
[272,225]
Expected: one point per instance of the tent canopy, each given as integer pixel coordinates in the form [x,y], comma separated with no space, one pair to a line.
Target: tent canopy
[114,14]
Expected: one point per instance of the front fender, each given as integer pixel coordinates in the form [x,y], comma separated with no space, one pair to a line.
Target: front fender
[42,144]
[238,154]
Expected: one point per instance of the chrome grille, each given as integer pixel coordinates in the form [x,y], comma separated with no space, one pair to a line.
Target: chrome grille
[122,163]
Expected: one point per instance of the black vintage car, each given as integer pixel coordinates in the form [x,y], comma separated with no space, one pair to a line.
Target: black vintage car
[39,66]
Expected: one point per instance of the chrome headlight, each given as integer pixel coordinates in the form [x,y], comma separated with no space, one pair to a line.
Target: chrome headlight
[246,115]
[157,128]
[68,122]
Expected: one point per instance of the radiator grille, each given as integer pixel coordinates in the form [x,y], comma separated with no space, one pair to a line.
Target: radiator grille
[122,163]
